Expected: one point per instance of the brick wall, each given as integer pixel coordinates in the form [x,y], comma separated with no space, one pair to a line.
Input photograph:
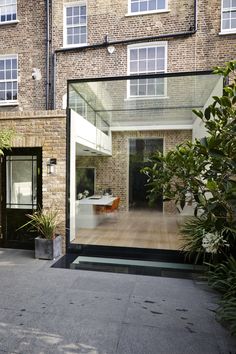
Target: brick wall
[27,38]
[202,51]
[113,172]
[46,130]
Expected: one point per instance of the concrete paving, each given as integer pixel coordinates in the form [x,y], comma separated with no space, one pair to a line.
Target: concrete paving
[49,310]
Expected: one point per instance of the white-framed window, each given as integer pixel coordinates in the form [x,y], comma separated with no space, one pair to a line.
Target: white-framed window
[8,79]
[8,11]
[228,16]
[148,58]
[144,6]
[75,24]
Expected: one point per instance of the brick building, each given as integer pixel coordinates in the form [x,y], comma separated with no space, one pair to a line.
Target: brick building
[48,42]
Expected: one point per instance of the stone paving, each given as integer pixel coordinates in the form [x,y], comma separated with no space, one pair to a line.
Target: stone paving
[49,310]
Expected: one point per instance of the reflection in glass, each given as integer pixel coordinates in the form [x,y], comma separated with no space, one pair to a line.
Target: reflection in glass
[21,182]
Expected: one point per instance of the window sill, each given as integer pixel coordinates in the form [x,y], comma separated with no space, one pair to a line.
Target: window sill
[9,103]
[9,23]
[141,13]
[74,46]
[222,33]
[135,98]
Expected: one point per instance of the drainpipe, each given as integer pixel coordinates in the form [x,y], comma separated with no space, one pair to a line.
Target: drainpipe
[106,43]
[47,53]
[54,70]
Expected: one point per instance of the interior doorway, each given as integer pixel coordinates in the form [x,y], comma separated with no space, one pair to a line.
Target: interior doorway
[22,194]
[140,151]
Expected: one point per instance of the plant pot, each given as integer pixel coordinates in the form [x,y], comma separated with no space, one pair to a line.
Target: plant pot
[47,249]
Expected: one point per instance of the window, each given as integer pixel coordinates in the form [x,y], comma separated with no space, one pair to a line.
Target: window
[8,79]
[7,11]
[147,59]
[228,20]
[75,25]
[137,6]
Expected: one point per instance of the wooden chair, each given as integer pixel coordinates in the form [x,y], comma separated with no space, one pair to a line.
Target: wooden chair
[114,206]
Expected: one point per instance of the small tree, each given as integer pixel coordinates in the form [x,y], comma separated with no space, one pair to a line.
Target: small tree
[205,171]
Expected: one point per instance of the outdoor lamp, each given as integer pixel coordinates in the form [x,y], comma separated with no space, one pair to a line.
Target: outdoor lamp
[51,166]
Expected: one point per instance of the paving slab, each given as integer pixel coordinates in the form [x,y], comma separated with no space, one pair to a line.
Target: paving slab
[49,310]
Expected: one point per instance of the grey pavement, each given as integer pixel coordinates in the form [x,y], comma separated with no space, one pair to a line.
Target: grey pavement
[50,310]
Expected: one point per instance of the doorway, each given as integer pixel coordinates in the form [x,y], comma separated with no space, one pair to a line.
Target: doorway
[140,151]
[22,194]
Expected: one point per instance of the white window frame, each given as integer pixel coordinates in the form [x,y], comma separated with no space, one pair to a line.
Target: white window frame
[227,30]
[147,45]
[12,101]
[74,4]
[147,11]
[3,9]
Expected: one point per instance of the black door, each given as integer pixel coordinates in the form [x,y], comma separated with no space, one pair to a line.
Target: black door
[22,194]
[140,151]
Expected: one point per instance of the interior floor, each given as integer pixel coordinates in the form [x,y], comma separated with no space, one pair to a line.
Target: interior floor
[141,229]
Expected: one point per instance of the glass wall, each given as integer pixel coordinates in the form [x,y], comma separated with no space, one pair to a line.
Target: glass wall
[111,139]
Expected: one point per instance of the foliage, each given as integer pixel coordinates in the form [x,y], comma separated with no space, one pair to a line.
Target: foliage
[203,172]
[6,137]
[222,277]
[44,222]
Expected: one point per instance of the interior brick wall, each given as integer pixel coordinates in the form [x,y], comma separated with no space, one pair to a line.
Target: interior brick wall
[113,171]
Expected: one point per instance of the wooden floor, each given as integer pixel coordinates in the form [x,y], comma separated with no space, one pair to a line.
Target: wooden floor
[142,229]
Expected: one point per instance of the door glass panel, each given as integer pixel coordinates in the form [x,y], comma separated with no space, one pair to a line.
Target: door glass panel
[21,182]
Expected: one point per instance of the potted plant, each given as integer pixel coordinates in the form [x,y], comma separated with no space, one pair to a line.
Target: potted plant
[47,243]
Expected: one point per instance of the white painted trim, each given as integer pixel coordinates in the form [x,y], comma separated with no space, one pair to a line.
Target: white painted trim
[135,98]
[153,127]
[226,31]
[147,45]
[9,22]
[146,12]
[72,4]
[143,13]
[11,102]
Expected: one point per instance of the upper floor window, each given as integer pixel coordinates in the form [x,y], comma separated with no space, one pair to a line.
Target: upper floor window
[147,59]
[137,6]
[7,11]
[8,78]
[75,28]
[228,20]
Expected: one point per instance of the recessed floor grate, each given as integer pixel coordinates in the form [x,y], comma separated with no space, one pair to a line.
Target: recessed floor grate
[129,266]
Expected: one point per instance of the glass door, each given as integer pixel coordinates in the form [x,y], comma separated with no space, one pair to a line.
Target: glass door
[140,151]
[23,194]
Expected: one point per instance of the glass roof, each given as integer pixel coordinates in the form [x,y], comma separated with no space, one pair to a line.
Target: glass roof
[143,101]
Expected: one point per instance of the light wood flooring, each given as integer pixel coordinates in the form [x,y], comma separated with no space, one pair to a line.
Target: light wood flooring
[141,229]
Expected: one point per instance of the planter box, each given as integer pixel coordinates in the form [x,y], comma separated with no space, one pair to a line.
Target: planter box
[47,249]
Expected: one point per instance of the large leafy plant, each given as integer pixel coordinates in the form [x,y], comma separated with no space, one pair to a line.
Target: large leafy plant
[203,172]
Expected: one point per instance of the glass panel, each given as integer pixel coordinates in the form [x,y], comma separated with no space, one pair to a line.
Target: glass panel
[226,4]
[115,211]
[21,182]
[161,4]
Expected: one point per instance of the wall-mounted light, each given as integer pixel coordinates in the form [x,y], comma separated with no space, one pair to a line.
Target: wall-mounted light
[111,49]
[51,166]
